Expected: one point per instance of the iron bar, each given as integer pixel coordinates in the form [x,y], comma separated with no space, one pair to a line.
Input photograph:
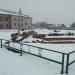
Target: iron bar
[67,64]
[62,68]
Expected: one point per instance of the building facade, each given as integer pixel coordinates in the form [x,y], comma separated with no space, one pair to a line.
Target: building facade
[9,21]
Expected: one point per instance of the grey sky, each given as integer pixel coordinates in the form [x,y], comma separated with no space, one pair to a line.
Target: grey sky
[52,11]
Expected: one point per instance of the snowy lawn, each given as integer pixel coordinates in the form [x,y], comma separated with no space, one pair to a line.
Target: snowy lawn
[14,64]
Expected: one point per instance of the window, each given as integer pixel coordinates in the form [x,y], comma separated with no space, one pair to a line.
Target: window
[18,19]
[14,19]
[21,19]
[6,25]
[1,26]
[6,18]
[1,18]
[18,24]
[14,24]
[21,24]
[26,23]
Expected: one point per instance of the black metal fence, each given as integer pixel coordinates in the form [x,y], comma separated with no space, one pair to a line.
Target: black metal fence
[7,44]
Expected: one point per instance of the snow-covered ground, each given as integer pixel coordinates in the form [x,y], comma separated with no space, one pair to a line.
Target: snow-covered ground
[14,64]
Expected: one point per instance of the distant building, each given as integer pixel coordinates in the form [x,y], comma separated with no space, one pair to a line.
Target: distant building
[49,26]
[14,21]
[72,26]
[40,25]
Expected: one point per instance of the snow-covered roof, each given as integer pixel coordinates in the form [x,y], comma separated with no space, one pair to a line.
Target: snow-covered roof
[9,13]
[1,12]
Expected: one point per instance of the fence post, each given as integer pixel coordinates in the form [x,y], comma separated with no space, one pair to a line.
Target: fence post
[29,49]
[39,51]
[21,49]
[62,68]
[8,43]
[67,64]
[1,43]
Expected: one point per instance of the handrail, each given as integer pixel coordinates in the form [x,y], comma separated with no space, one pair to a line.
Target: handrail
[37,47]
[62,53]
[46,49]
[68,62]
[71,52]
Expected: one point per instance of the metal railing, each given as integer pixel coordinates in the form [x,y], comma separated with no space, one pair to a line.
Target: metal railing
[68,62]
[40,49]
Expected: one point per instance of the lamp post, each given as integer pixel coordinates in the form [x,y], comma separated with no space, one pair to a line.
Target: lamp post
[20,15]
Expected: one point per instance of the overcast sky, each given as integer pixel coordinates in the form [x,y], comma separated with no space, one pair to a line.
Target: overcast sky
[52,11]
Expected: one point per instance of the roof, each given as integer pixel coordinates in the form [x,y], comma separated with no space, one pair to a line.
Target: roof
[12,13]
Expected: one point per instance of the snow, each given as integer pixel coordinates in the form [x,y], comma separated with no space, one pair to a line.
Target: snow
[6,34]
[14,64]
[47,31]
[8,13]
[30,39]
[60,36]
[66,48]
